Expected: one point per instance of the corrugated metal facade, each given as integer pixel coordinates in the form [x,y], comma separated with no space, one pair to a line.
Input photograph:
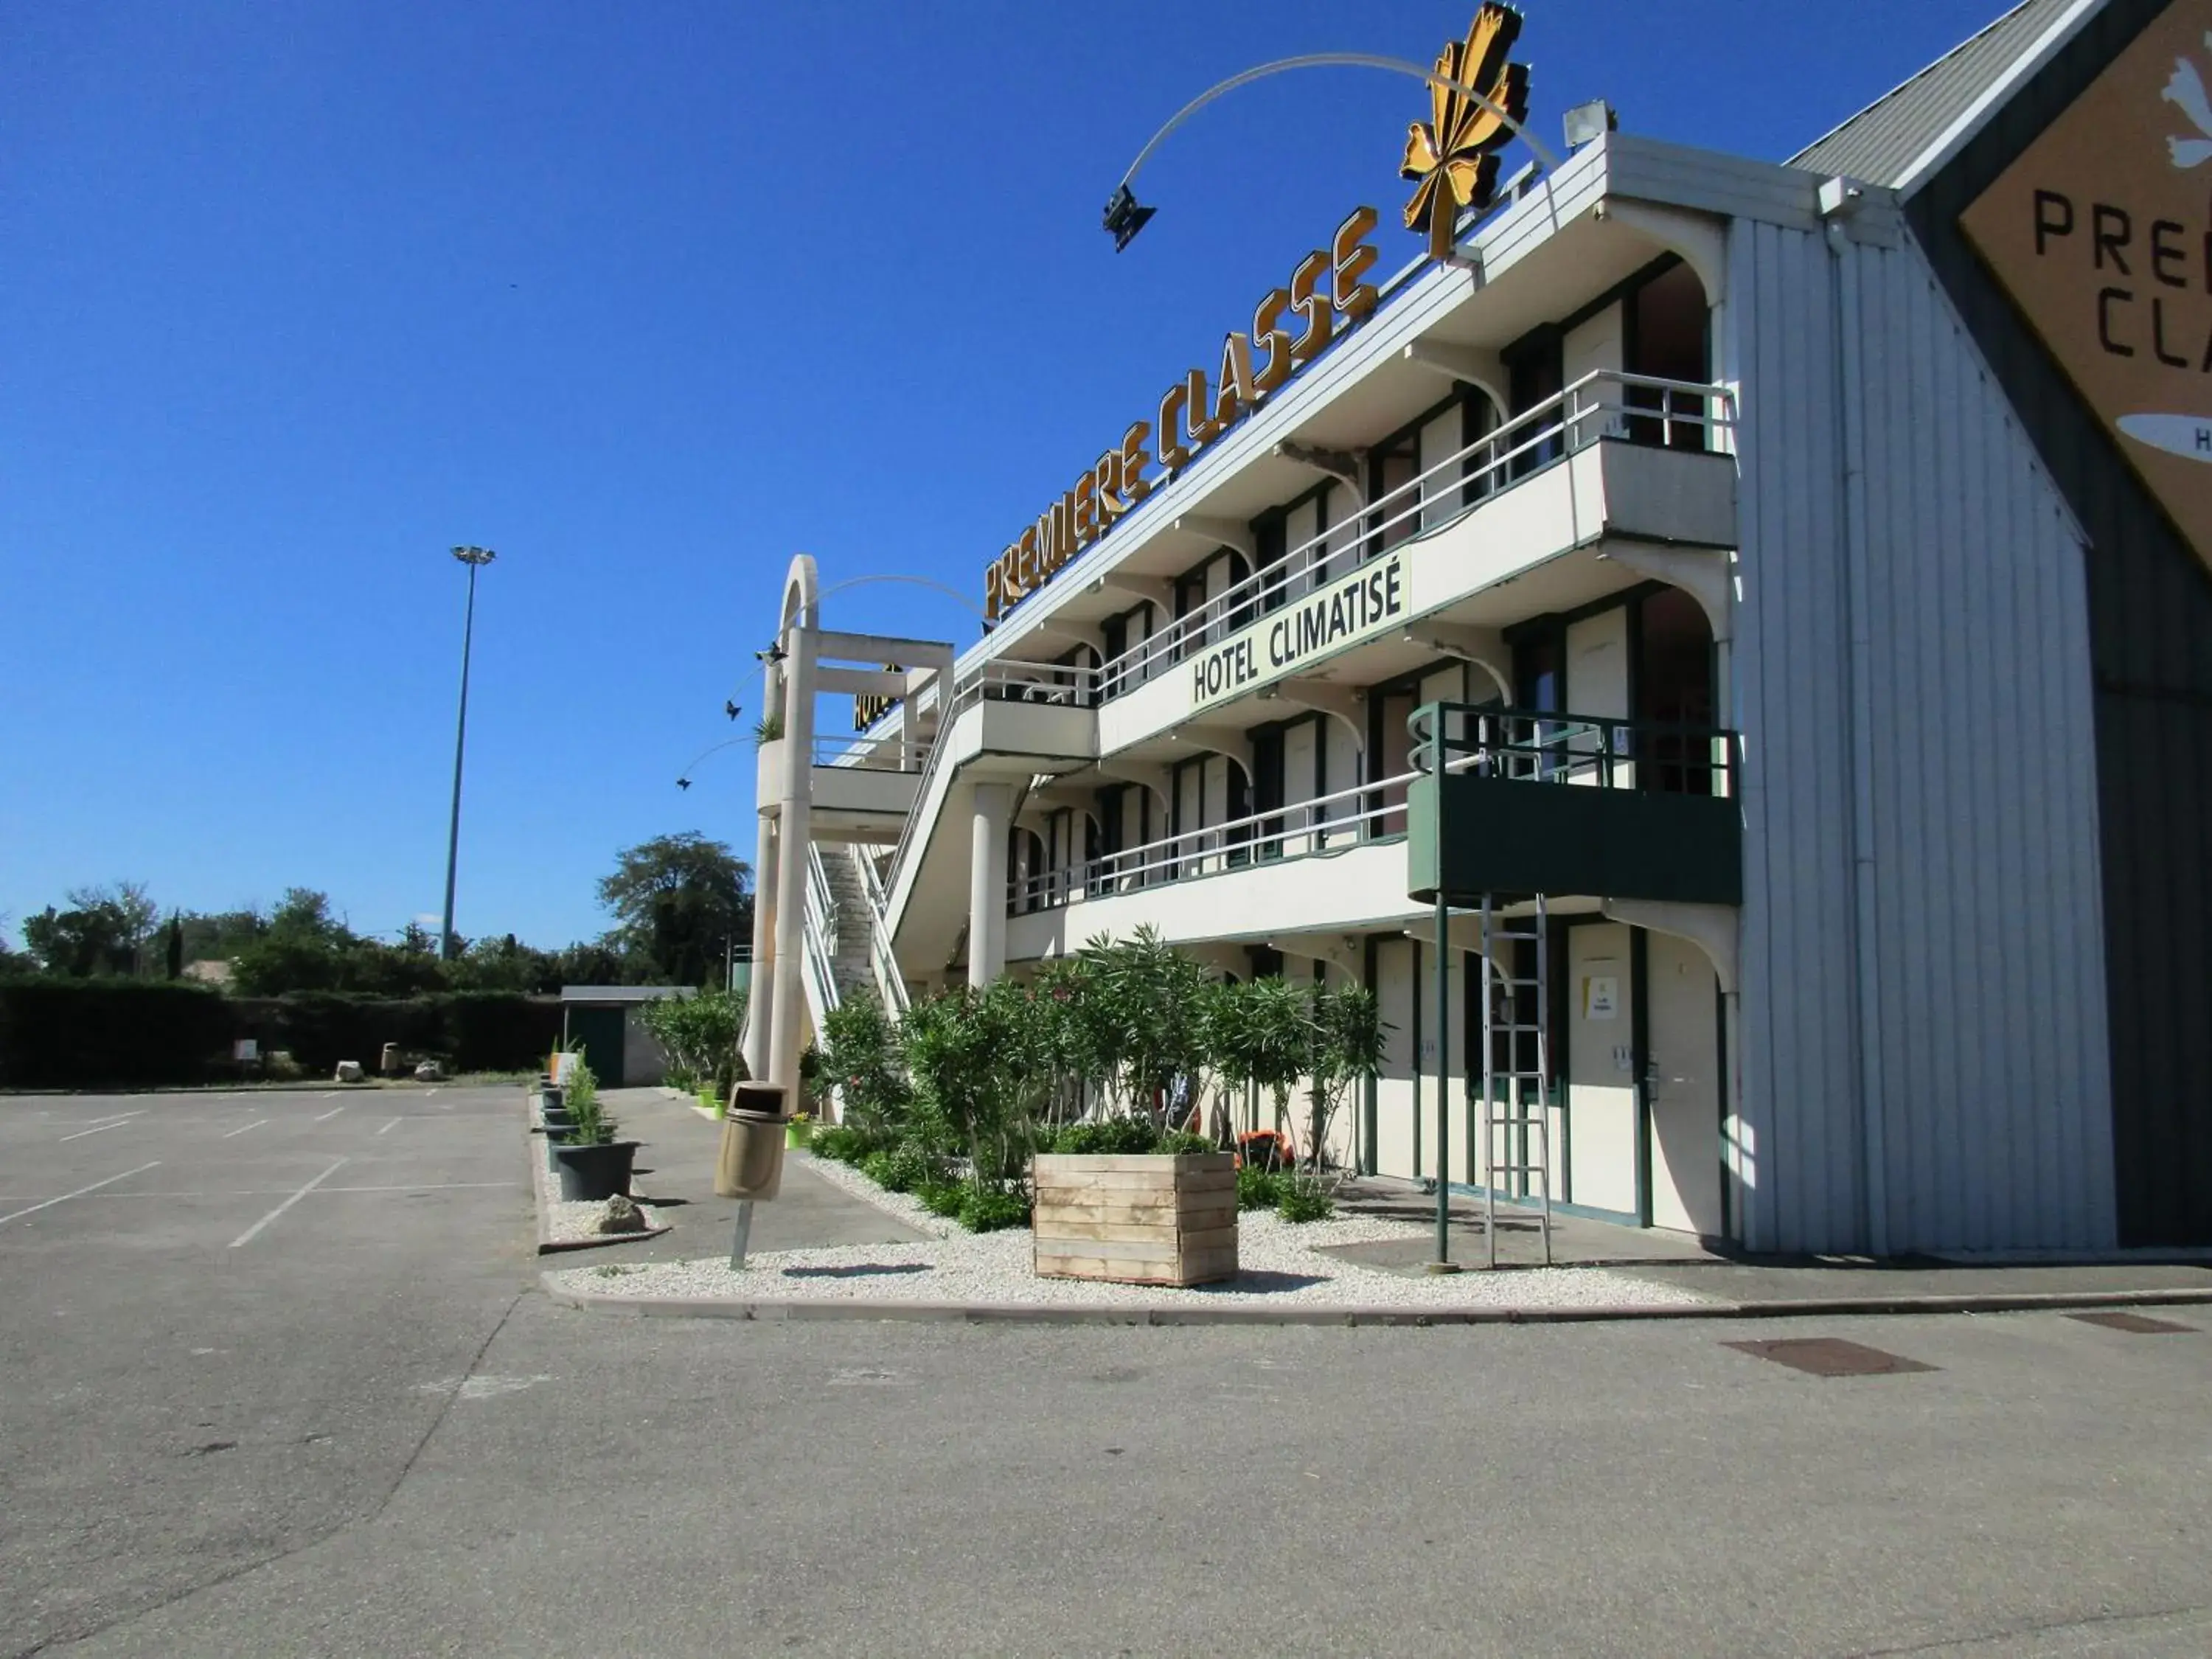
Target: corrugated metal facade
[1961,975]
[2150,609]
[1883,139]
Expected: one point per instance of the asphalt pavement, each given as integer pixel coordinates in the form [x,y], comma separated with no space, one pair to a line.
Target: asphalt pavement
[291,1390]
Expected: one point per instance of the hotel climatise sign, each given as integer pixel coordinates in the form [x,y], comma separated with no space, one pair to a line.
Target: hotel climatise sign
[1452,159]
[1368,600]
[2101,232]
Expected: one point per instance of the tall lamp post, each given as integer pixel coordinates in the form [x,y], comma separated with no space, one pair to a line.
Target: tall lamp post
[474,557]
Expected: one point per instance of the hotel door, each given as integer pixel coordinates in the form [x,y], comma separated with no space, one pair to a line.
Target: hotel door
[1683,1033]
[1601,1127]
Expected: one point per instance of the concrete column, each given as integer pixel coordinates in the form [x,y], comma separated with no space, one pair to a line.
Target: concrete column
[760,1002]
[987,882]
[793,830]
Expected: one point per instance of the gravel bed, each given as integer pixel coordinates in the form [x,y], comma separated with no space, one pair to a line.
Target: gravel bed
[900,1206]
[1278,1262]
[566,1222]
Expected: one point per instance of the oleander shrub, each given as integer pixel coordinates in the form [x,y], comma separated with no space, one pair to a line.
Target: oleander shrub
[1258,1189]
[989,1209]
[1305,1199]
[942,1198]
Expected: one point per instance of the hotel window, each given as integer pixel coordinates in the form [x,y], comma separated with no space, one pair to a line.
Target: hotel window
[1669,337]
[1271,536]
[1189,597]
[1534,370]
[1391,755]
[1267,788]
[1390,469]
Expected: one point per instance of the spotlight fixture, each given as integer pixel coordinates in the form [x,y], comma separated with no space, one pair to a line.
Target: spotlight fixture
[773,654]
[1125,217]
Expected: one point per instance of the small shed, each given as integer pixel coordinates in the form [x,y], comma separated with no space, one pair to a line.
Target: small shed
[609,1020]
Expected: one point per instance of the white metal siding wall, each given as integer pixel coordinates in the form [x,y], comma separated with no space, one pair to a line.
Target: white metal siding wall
[1985,1055]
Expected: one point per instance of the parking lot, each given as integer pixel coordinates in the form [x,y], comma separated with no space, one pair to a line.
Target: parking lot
[225,1323]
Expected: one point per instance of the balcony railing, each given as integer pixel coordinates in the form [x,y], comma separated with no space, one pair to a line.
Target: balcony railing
[994,681]
[1325,824]
[1643,809]
[1633,408]
[1525,745]
[1644,756]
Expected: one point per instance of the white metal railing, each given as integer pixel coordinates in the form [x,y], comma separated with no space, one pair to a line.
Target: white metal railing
[892,753]
[1012,682]
[1605,404]
[819,950]
[1330,823]
[890,984]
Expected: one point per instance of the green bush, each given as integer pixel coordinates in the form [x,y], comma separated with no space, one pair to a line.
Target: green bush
[73,1034]
[1182,1143]
[908,1168]
[876,1166]
[1303,1201]
[988,1209]
[844,1143]
[942,1198]
[1258,1189]
[1120,1137]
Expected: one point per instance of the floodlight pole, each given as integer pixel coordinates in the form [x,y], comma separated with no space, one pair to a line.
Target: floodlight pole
[474,557]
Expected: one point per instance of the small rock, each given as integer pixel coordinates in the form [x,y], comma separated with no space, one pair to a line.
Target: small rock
[349,1071]
[428,1072]
[621,1216]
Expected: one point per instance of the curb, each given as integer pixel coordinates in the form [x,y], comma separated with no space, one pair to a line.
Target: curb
[1050,1313]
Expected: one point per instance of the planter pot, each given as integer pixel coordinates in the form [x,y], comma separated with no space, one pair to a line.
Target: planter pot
[1136,1219]
[799,1134]
[589,1173]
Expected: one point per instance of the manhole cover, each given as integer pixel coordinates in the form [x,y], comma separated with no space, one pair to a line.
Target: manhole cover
[1829,1356]
[2137,1324]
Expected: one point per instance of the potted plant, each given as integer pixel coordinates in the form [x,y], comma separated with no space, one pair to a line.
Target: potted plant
[800,1131]
[592,1164]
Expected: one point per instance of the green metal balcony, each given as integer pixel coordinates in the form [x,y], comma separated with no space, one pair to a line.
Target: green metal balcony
[1514,802]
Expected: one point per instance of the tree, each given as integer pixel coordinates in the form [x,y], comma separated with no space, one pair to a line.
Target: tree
[676,901]
[172,957]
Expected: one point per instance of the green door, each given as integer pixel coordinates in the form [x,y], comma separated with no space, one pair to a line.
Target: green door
[600,1032]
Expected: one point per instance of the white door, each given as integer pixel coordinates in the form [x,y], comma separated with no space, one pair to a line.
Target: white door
[1601,1078]
[1683,1031]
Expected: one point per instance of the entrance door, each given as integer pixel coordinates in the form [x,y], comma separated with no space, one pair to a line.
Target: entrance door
[600,1030]
[1683,1033]
[1600,1077]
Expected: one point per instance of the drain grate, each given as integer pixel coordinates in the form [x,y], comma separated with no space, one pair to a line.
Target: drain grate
[2135,1324]
[1829,1356]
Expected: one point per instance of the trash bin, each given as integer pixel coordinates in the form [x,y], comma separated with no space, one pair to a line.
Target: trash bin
[752,1162]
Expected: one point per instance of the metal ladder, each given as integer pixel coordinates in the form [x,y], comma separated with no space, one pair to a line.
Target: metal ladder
[1516,1129]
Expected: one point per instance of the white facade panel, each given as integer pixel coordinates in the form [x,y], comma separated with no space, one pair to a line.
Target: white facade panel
[1923,1005]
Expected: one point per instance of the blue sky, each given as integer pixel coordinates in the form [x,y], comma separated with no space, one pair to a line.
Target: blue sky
[297,295]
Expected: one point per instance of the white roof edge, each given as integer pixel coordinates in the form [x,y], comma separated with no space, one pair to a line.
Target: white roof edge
[1956,136]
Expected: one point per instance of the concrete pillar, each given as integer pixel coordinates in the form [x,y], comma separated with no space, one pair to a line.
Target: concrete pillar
[794,781]
[760,1002]
[987,882]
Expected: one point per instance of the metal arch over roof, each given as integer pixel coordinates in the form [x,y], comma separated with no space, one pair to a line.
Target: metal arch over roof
[1903,137]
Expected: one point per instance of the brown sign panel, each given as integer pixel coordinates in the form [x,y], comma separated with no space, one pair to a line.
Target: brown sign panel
[2102,233]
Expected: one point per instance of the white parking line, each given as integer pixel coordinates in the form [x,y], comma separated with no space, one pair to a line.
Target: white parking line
[390,1127]
[50,1203]
[96,1129]
[243,1127]
[430,1187]
[333,1113]
[254,1232]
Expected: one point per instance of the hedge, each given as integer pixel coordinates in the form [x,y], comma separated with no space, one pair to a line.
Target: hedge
[77,1034]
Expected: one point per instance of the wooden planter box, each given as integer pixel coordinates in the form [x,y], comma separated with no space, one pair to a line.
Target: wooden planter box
[1136,1220]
